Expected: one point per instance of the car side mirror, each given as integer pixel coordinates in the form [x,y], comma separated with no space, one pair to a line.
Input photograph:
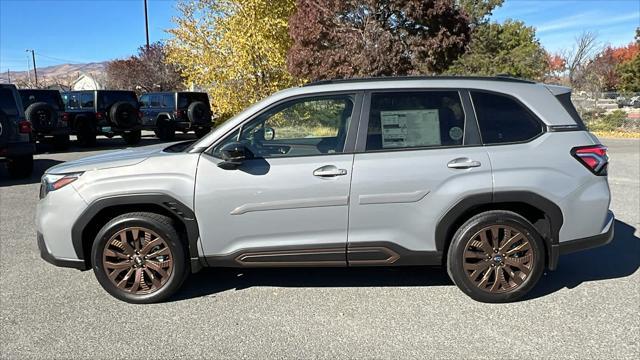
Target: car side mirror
[269,133]
[233,155]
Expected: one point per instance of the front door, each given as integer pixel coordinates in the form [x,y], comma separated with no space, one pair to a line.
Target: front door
[288,205]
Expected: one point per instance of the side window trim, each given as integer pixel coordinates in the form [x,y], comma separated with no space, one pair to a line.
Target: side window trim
[543,126]
[349,145]
[361,141]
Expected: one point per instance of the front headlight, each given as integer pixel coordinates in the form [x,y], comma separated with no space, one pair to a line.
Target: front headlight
[51,182]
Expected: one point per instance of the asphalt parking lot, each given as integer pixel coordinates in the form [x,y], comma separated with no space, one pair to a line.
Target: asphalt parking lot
[588,308]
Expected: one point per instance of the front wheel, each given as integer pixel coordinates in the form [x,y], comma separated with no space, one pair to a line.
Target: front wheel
[496,256]
[20,167]
[133,137]
[139,258]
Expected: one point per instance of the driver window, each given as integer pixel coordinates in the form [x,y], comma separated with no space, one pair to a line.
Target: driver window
[310,126]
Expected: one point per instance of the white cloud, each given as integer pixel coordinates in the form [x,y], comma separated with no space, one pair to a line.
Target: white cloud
[589,19]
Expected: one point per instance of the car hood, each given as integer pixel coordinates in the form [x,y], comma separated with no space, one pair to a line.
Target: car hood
[112,159]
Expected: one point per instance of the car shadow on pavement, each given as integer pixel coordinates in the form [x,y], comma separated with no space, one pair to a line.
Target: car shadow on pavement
[212,281]
[618,259]
[39,167]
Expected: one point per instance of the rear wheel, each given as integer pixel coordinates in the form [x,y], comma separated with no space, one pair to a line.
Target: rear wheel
[61,142]
[165,131]
[139,258]
[132,137]
[202,132]
[496,256]
[20,167]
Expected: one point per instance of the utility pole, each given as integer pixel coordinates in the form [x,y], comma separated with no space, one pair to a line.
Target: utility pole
[35,72]
[146,22]
[8,76]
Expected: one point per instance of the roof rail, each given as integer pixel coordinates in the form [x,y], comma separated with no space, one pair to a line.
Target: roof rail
[501,77]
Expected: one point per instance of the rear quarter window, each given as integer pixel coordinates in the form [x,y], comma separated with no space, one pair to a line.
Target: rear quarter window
[7,102]
[106,99]
[184,99]
[567,104]
[502,119]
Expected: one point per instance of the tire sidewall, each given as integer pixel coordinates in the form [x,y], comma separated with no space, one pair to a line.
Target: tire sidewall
[180,265]
[455,258]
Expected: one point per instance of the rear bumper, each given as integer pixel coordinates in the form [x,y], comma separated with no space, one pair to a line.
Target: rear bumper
[590,242]
[18,149]
[52,131]
[48,257]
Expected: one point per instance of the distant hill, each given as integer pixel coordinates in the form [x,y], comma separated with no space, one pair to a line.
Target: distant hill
[64,73]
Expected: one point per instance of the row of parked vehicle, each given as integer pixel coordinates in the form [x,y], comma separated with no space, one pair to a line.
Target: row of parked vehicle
[30,115]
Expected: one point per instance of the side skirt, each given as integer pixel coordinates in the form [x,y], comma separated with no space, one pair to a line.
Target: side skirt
[328,255]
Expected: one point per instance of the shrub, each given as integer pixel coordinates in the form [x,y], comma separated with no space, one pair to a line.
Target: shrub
[608,122]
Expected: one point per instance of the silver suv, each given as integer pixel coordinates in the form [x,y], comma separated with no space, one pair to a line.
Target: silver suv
[493,178]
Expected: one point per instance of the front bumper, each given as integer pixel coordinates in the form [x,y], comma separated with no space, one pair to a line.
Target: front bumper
[586,243]
[48,257]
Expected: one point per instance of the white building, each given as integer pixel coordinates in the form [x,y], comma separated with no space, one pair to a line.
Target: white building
[86,82]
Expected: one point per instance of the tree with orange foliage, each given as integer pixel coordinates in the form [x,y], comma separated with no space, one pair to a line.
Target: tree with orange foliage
[605,64]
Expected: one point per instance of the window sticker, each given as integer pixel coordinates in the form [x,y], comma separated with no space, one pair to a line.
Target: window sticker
[410,128]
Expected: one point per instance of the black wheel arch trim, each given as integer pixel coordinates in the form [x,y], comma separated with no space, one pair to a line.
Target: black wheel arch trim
[551,211]
[181,212]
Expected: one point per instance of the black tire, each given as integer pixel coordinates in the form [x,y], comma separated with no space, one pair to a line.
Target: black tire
[165,130]
[198,113]
[132,137]
[202,132]
[124,114]
[86,134]
[461,239]
[20,167]
[41,115]
[61,142]
[161,225]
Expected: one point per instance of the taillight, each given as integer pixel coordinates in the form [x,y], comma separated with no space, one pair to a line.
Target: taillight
[65,116]
[99,115]
[179,114]
[24,126]
[593,157]
[140,114]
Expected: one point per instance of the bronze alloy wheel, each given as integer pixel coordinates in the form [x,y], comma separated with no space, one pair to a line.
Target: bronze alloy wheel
[498,258]
[137,260]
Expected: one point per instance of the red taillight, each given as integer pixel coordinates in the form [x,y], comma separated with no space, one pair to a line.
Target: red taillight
[24,126]
[65,116]
[593,157]
[99,115]
[179,114]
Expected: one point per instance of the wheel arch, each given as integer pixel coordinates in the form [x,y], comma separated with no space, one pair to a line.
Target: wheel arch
[99,212]
[545,216]
[162,117]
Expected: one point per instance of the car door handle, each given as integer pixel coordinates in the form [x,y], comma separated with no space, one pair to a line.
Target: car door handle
[329,171]
[463,163]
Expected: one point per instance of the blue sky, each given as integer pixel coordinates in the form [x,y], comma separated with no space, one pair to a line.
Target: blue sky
[79,31]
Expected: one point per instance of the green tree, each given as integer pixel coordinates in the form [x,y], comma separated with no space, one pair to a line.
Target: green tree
[235,49]
[508,48]
[629,71]
[479,10]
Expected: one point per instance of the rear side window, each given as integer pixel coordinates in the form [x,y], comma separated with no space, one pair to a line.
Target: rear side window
[167,100]
[155,100]
[565,100]
[8,103]
[71,101]
[186,98]
[86,100]
[144,99]
[108,98]
[400,120]
[503,119]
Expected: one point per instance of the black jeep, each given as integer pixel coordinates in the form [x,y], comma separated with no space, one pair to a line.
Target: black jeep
[16,143]
[45,109]
[103,112]
[168,112]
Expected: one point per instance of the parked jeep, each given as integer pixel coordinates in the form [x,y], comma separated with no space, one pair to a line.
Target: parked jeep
[168,112]
[103,112]
[16,145]
[45,109]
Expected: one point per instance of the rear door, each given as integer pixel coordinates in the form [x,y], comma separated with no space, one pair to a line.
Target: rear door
[418,154]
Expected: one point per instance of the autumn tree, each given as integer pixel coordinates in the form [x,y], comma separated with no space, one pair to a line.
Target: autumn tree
[555,67]
[605,65]
[356,38]
[149,70]
[629,70]
[235,49]
[508,48]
